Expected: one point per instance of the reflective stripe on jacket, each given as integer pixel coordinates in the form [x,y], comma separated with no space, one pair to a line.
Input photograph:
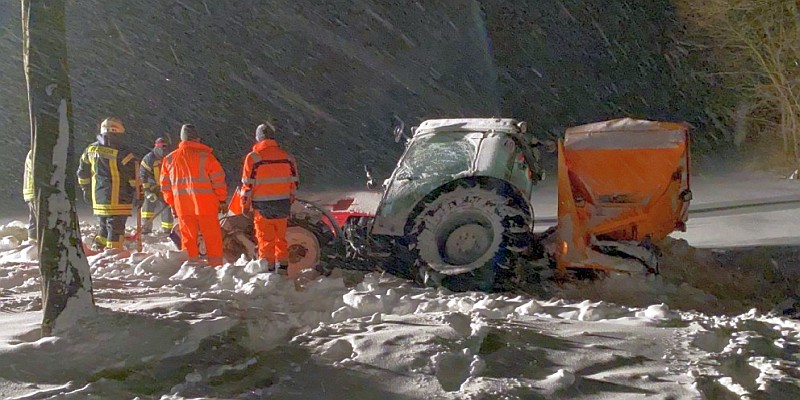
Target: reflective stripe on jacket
[192,180]
[150,171]
[112,175]
[28,193]
[269,172]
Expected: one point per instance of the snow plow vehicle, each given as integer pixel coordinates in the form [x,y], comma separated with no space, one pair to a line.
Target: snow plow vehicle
[458,210]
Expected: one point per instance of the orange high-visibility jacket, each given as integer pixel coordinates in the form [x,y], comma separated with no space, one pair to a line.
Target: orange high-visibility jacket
[269,172]
[192,180]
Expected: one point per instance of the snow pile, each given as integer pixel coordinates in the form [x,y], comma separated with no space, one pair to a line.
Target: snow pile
[8,243]
[171,329]
[697,279]
[15,229]
[749,355]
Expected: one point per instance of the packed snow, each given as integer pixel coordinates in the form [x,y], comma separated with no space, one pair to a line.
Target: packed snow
[170,330]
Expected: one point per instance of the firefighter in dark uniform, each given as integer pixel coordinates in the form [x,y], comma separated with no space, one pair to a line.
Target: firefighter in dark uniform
[29,195]
[107,176]
[150,175]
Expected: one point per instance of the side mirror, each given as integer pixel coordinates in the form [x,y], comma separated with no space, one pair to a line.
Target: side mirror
[398,133]
[399,130]
[370,180]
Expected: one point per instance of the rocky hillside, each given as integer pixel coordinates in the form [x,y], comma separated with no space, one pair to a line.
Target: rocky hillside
[334,74]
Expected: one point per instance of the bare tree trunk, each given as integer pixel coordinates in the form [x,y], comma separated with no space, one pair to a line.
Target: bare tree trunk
[784,127]
[793,127]
[740,123]
[66,282]
[787,152]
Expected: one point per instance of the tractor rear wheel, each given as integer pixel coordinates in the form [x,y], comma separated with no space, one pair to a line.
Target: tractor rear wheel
[311,244]
[304,248]
[469,239]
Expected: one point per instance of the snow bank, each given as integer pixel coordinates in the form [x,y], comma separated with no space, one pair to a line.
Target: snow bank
[17,230]
[169,328]
[698,279]
[8,243]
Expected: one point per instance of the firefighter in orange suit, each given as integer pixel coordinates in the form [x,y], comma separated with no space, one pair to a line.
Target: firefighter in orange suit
[193,184]
[269,180]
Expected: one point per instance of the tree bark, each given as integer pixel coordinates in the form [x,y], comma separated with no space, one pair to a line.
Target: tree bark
[66,282]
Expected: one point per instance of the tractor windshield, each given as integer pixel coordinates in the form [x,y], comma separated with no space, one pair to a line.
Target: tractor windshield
[445,153]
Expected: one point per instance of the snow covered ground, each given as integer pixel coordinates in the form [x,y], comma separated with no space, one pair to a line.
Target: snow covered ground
[171,331]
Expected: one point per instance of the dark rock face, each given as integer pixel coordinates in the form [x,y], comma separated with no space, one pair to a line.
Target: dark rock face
[333,75]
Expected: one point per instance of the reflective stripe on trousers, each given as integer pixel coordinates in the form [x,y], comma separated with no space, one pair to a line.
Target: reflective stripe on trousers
[112,231]
[149,209]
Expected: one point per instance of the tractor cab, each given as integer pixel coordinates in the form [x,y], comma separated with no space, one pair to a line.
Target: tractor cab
[442,151]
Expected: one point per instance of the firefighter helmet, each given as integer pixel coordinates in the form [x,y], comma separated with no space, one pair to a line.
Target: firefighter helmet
[111,125]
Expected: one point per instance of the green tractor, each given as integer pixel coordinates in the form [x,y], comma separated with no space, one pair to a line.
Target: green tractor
[457,209]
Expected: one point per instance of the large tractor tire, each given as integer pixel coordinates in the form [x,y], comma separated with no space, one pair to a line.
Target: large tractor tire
[469,238]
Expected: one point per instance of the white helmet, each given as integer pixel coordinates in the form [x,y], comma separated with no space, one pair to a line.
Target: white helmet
[111,125]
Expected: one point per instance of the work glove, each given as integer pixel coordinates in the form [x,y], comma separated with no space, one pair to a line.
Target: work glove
[223,208]
[151,197]
[292,198]
[246,203]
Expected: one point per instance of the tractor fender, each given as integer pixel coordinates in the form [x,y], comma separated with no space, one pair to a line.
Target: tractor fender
[337,230]
[488,182]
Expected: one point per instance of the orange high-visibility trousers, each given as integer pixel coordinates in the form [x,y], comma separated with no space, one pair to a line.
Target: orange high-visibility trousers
[191,226]
[271,235]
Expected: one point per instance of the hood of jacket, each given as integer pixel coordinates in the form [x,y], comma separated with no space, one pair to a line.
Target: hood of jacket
[189,144]
[266,143]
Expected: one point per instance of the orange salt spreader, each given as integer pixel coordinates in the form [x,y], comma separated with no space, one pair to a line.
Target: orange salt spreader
[622,185]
